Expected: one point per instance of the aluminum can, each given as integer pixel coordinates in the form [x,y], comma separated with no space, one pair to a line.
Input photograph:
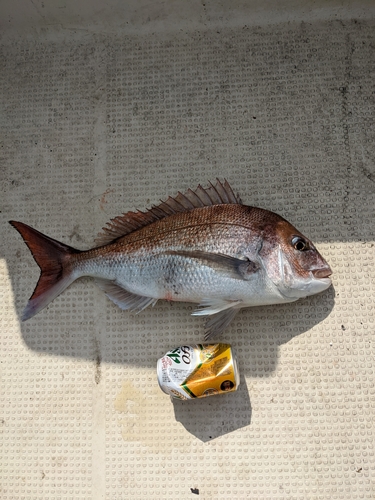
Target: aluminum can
[198,371]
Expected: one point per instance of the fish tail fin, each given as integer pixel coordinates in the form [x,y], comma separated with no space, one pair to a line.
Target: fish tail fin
[56,262]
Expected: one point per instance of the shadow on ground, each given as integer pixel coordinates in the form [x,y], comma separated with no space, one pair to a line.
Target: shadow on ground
[209,418]
[115,336]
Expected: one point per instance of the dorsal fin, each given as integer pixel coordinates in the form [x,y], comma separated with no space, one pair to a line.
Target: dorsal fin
[218,194]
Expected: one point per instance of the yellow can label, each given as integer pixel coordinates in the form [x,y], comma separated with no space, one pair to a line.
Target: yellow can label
[215,373]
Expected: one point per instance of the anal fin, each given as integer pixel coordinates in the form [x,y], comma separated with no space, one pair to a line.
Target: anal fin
[222,313]
[125,300]
[218,322]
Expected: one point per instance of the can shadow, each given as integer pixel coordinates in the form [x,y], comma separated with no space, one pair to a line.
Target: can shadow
[214,416]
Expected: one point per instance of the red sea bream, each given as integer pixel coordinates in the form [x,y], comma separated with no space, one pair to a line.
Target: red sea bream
[203,246]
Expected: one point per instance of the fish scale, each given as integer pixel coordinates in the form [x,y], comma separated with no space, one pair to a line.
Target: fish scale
[203,247]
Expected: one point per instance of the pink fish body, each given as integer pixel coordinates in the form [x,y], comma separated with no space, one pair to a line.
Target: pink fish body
[203,246]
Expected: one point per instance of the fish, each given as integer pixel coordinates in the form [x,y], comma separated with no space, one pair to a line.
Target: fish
[203,246]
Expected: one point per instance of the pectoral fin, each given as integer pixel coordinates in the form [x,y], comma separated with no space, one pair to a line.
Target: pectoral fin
[122,298]
[240,269]
[213,306]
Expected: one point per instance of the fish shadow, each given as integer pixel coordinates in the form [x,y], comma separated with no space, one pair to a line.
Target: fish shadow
[257,353]
[262,331]
[256,334]
[214,416]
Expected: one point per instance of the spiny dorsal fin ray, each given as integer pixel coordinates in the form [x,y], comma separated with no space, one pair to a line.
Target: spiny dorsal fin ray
[218,194]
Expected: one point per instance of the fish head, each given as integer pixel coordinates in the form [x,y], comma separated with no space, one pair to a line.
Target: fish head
[292,262]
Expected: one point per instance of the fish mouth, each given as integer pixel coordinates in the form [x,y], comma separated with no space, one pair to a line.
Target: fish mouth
[322,273]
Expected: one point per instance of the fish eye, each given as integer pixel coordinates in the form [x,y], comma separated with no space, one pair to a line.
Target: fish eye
[300,244]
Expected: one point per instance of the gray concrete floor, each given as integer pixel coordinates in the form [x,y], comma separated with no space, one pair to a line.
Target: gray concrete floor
[98,121]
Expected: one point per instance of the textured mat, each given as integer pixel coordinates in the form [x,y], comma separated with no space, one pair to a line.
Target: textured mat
[99,125]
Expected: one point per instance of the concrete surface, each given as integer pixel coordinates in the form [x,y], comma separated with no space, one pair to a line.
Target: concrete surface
[142,17]
[94,123]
